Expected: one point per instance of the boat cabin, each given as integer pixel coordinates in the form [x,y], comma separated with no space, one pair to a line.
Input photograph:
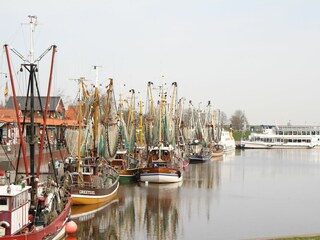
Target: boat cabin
[119,161]
[14,208]
[158,155]
[118,164]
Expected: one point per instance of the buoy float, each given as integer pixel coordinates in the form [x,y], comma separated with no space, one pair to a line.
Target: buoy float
[71,227]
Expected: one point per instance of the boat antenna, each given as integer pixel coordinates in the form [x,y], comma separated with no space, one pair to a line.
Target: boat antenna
[33,23]
[96,68]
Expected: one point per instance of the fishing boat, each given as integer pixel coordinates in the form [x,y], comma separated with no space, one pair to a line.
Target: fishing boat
[283,137]
[199,153]
[215,135]
[162,167]
[93,180]
[125,163]
[163,161]
[198,139]
[127,171]
[34,205]
[217,150]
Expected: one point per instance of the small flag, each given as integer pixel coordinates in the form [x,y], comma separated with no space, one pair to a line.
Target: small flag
[6,90]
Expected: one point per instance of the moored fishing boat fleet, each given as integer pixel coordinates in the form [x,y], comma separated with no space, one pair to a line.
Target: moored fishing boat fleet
[104,145]
[56,163]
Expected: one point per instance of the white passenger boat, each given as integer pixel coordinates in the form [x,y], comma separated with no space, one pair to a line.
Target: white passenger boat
[282,137]
[227,141]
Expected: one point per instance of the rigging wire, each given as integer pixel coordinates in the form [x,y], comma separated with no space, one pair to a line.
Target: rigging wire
[6,153]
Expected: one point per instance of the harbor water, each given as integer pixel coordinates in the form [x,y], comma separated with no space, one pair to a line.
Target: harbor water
[248,194]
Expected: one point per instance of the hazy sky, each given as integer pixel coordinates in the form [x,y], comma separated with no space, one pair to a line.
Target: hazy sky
[262,57]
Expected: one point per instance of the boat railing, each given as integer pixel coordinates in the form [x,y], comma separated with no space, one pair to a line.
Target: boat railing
[96,182]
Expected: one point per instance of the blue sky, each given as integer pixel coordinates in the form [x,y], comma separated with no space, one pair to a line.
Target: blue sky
[261,57]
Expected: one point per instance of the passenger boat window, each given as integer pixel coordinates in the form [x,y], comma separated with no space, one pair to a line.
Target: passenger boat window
[294,132]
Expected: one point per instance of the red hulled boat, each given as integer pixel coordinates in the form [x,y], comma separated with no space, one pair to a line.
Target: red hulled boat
[33,205]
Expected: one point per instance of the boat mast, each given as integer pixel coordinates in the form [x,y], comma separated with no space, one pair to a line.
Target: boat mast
[151,107]
[160,140]
[81,89]
[140,123]
[150,136]
[173,101]
[44,116]
[108,101]
[95,113]
[131,109]
[22,141]
[120,146]
[32,65]
[131,126]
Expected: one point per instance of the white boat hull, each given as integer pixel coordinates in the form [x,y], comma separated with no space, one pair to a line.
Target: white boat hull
[160,177]
[263,145]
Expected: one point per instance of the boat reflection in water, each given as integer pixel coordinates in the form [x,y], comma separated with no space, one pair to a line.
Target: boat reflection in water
[161,211]
[237,192]
[95,220]
[141,211]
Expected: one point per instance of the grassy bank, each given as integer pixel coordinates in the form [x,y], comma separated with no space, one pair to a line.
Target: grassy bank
[238,135]
[315,237]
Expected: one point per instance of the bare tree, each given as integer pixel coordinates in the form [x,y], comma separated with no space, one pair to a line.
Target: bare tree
[238,120]
[223,119]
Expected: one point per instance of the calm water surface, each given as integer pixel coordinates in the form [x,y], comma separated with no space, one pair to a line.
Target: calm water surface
[245,195]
